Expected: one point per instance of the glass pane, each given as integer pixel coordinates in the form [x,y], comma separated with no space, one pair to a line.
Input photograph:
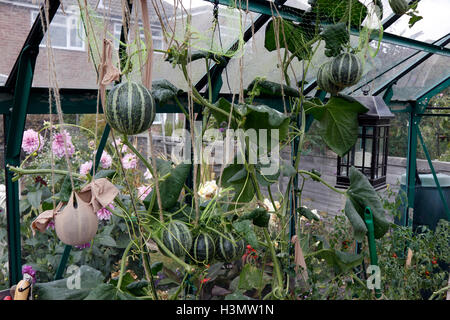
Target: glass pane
[434,25]
[58,36]
[76,38]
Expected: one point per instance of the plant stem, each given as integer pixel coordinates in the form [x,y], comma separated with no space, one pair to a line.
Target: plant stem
[122,264]
[187,267]
[21,172]
[322,181]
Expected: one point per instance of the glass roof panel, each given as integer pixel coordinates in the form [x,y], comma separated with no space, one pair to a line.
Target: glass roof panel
[434,25]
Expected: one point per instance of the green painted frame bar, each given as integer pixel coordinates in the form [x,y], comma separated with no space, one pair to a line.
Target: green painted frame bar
[436,180]
[14,126]
[411,164]
[426,95]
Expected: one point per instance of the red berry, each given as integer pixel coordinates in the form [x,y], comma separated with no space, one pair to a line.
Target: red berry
[394,256]
[7,298]
[427,273]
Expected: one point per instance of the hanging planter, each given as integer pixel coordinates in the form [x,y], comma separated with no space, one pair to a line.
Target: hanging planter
[77,223]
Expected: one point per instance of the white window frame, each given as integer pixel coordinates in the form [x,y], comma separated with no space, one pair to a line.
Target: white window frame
[118,28]
[103,4]
[67,26]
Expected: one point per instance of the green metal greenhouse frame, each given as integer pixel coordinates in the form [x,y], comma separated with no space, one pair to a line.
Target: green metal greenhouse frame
[18,98]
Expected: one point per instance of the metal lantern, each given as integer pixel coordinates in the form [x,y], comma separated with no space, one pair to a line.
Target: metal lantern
[370,152]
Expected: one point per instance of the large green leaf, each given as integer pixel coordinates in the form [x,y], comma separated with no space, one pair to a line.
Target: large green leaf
[338,123]
[265,117]
[233,176]
[358,224]
[251,277]
[163,91]
[343,261]
[292,37]
[171,187]
[62,289]
[336,36]
[338,11]
[245,229]
[107,291]
[362,195]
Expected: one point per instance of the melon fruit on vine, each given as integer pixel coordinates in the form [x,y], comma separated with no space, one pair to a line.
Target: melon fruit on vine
[324,79]
[228,248]
[203,248]
[177,238]
[130,108]
[345,69]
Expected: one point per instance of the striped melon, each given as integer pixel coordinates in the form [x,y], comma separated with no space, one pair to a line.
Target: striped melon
[228,248]
[323,79]
[177,238]
[399,6]
[203,248]
[345,69]
[130,108]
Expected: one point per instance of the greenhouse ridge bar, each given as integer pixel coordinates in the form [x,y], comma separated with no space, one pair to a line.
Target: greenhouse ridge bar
[18,98]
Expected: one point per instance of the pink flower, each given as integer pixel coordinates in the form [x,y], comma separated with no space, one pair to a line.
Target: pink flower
[105,160]
[85,168]
[129,161]
[83,246]
[143,192]
[29,270]
[32,141]
[58,147]
[51,224]
[121,146]
[104,213]
[148,175]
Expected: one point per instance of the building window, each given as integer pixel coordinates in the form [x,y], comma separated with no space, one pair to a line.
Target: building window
[66,32]
[157,37]
[103,4]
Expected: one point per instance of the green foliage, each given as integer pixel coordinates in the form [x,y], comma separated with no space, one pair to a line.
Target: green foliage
[163,91]
[338,122]
[336,37]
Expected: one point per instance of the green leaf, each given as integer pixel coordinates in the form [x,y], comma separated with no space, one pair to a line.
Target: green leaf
[163,91]
[244,228]
[259,217]
[126,280]
[362,195]
[107,291]
[107,241]
[65,289]
[336,36]
[138,288]
[414,18]
[156,267]
[338,11]
[338,123]
[238,295]
[250,277]
[287,169]
[292,37]
[261,87]
[243,188]
[105,174]
[343,261]
[358,224]
[265,117]
[171,187]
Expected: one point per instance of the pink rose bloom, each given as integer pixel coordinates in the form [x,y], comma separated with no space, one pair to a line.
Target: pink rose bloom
[32,141]
[143,192]
[129,161]
[104,213]
[85,168]
[58,144]
[105,160]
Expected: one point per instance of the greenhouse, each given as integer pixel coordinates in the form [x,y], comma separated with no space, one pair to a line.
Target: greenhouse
[225,150]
